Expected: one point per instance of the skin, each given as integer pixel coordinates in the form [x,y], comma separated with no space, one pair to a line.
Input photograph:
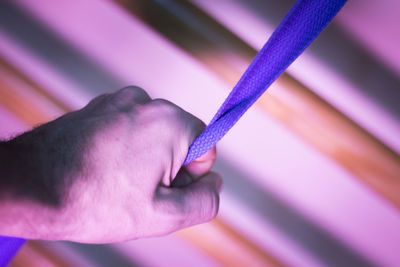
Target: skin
[109,172]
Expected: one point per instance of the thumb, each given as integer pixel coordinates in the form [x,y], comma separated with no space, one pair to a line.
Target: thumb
[199,200]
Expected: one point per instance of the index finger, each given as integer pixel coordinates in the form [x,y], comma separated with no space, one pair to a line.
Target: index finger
[202,165]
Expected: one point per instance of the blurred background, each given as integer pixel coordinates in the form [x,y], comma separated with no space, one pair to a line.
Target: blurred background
[311,172]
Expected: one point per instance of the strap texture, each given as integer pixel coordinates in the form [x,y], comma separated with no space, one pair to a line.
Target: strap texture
[295,33]
[298,29]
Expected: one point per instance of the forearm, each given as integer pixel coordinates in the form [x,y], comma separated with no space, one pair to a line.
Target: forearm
[11,170]
[20,168]
[39,171]
[12,203]
[26,201]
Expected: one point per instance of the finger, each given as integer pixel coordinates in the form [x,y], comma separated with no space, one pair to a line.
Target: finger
[186,128]
[202,165]
[191,126]
[201,199]
[197,202]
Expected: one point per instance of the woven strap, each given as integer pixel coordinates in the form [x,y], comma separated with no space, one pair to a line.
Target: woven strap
[298,29]
[9,246]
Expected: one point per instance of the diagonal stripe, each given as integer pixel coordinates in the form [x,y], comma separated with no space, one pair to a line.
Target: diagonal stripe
[299,28]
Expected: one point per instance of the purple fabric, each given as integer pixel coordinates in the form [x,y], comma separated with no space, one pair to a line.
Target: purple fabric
[298,29]
[9,246]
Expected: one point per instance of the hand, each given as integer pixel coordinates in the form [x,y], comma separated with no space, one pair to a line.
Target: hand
[110,172]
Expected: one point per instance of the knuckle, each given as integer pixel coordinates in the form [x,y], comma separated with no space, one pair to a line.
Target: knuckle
[163,114]
[123,93]
[177,117]
[164,107]
[127,98]
[130,91]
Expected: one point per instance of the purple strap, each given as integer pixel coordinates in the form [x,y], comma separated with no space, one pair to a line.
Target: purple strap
[9,246]
[298,29]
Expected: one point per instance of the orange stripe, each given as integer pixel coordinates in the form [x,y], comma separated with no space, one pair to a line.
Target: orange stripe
[33,86]
[227,246]
[33,254]
[21,107]
[335,135]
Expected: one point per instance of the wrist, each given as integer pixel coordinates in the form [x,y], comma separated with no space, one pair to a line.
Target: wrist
[26,200]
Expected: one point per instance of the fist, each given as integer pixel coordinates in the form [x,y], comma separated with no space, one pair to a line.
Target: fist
[112,171]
